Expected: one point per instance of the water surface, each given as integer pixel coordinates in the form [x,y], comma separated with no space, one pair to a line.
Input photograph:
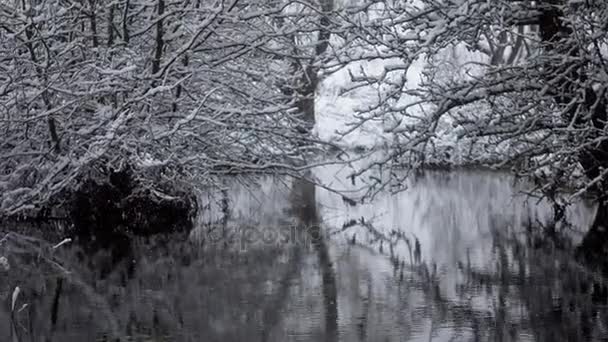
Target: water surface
[457,257]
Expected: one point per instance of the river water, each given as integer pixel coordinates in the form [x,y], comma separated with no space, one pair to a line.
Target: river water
[460,256]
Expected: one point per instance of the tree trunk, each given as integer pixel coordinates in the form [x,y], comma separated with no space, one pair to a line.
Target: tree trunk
[305,206]
[125,22]
[593,250]
[306,100]
[93,18]
[159,42]
[111,26]
[41,73]
[310,80]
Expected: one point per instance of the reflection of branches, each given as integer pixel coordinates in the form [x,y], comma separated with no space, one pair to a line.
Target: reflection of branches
[272,309]
[392,240]
[544,284]
[22,250]
[546,281]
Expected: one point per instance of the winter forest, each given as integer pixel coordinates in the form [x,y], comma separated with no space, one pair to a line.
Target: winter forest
[457,147]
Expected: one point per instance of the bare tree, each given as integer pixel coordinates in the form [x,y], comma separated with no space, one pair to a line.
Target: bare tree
[180,90]
[532,94]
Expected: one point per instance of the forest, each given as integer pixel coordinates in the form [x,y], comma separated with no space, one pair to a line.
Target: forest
[439,140]
[183,92]
[128,112]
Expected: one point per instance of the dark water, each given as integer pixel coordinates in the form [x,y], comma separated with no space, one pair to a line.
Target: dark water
[458,257]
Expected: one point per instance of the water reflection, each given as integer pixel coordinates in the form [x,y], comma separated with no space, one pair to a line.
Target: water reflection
[458,257]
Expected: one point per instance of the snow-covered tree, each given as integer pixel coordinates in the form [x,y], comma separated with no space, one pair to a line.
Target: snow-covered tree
[178,89]
[526,87]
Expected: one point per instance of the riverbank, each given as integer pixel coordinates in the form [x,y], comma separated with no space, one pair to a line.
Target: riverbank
[116,202]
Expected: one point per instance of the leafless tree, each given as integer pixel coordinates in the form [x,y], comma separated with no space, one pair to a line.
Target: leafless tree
[180,89]
[531,93]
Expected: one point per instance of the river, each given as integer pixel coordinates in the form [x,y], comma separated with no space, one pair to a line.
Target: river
[460,256]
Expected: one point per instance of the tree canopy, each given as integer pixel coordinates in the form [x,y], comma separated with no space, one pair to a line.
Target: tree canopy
[183,90]
[180,89]
[510,83]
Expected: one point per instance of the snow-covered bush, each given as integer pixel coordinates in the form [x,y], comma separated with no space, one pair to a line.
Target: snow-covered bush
[197,89]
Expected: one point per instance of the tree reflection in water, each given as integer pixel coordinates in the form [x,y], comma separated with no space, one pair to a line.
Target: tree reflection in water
[455,258]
